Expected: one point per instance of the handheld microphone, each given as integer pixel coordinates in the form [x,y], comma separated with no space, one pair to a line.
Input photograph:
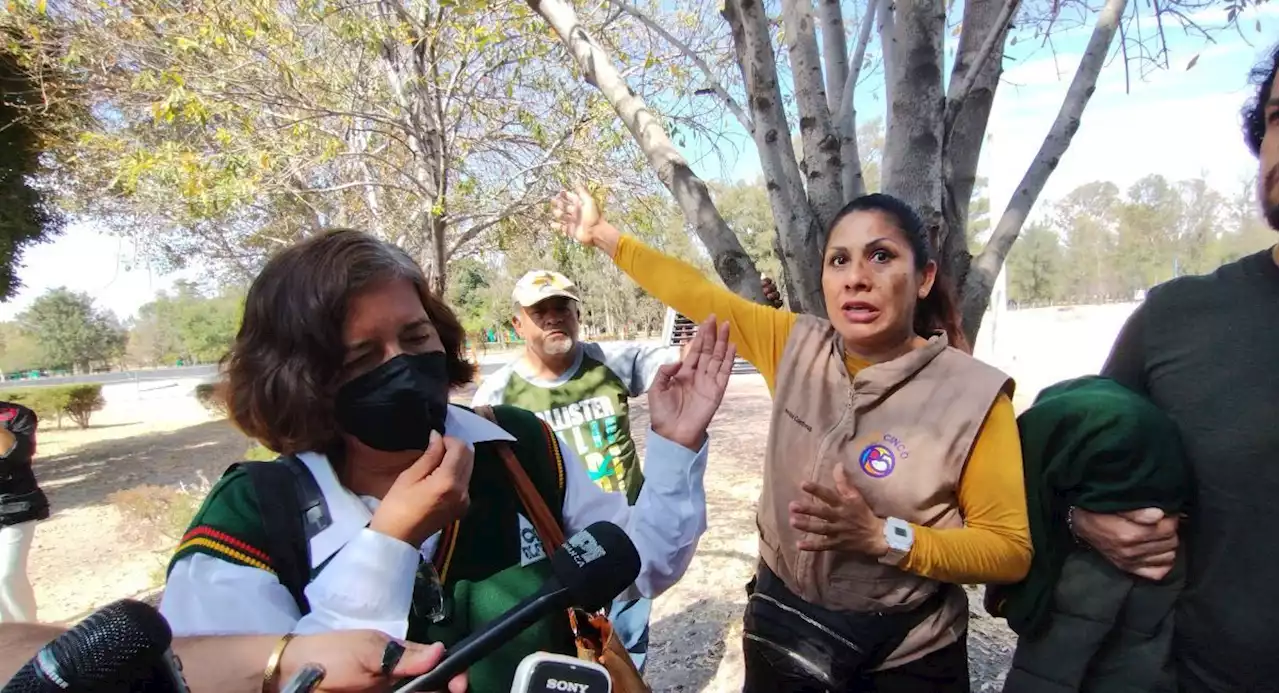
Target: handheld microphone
[543,671]
[588,571]
[121,648]
[306,680]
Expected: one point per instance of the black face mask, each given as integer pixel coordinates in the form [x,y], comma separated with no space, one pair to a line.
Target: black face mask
[397,405]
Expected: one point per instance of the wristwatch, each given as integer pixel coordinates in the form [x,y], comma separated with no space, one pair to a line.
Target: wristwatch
[899,535]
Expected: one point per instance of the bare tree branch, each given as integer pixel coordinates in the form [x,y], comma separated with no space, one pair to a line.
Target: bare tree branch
[793,216]
[817,137]
[732,262]
[707,73]
[912,169]
[353,184]
[505,213]
[889,57]
[960,89]
[987,265]
[851,181]
[834,53]
[523,202]
[980,60]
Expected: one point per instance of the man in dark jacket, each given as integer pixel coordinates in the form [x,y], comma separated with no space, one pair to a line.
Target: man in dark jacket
[1203,349]
[22,505]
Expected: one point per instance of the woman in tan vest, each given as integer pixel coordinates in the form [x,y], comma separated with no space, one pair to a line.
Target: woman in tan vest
[893,472]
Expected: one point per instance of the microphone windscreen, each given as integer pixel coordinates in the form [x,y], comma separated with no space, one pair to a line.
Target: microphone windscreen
[596,565]
[111,648]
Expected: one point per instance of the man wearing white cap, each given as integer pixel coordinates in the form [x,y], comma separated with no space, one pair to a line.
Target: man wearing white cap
[581,389]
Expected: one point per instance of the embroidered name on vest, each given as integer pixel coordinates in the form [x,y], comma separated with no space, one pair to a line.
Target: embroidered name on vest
[792,415]
[531,550]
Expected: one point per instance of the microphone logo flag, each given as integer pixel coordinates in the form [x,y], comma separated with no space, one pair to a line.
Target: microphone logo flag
[584,548]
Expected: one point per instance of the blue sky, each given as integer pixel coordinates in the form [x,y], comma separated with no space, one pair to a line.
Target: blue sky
[1178,122]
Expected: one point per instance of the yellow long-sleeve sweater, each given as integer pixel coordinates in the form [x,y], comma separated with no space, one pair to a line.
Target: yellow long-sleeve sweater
[995,543]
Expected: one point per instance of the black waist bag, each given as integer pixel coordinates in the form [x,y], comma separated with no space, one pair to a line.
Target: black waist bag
[790,644]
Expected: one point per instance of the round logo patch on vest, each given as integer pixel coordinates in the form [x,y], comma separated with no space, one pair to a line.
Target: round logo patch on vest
[876,461]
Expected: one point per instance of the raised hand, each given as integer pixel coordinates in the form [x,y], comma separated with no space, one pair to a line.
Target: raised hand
[428,495]
[577,214]
[771,293]
[686,394]
[579,218]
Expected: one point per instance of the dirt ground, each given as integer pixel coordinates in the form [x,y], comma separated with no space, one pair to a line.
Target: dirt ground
[83,557]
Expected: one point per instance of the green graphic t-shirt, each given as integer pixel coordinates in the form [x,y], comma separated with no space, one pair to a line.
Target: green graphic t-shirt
[587,407]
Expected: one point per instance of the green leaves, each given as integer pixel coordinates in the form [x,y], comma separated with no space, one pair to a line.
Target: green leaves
[70,331]
[185,324]
[223,132]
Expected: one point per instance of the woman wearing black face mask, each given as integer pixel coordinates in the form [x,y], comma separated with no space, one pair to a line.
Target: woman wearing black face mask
[410,523]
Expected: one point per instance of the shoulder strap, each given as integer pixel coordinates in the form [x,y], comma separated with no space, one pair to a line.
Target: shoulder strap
[544,522]
[285,490]
[599,644]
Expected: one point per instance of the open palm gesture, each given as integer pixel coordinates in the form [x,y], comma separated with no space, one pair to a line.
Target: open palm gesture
[686,394]
[577,214]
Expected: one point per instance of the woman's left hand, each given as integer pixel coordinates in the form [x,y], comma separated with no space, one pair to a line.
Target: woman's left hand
[840,518]
[358,661]
[685,395]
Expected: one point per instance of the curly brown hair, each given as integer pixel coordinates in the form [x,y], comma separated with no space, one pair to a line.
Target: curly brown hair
[284,369]
[1253,115]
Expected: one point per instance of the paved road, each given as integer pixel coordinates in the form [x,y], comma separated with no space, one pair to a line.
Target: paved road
[207,372]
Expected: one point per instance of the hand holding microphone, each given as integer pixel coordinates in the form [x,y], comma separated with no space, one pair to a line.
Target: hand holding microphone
[123,647]
[543,671]
[356,662]
[592,568]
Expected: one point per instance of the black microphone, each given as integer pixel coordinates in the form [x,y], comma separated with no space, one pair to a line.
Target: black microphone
[592,568]
[306,680]
[121,648]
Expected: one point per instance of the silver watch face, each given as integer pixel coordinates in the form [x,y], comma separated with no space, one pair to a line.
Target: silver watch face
[898,535]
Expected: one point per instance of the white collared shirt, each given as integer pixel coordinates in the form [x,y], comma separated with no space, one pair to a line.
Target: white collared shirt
[369,581]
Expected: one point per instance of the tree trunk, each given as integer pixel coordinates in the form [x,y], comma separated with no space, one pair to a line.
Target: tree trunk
[798,231]
[789,289]
[817,137]
[889,58]
[732,263]
[852,183]
[985,268]
[835,55]
[435,239]
[972,89]
[913,143]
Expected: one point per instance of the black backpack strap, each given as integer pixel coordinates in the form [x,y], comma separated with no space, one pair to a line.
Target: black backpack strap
[293,511]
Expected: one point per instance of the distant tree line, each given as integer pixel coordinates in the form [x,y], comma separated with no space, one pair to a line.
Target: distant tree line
[64,331]
[1099,244]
